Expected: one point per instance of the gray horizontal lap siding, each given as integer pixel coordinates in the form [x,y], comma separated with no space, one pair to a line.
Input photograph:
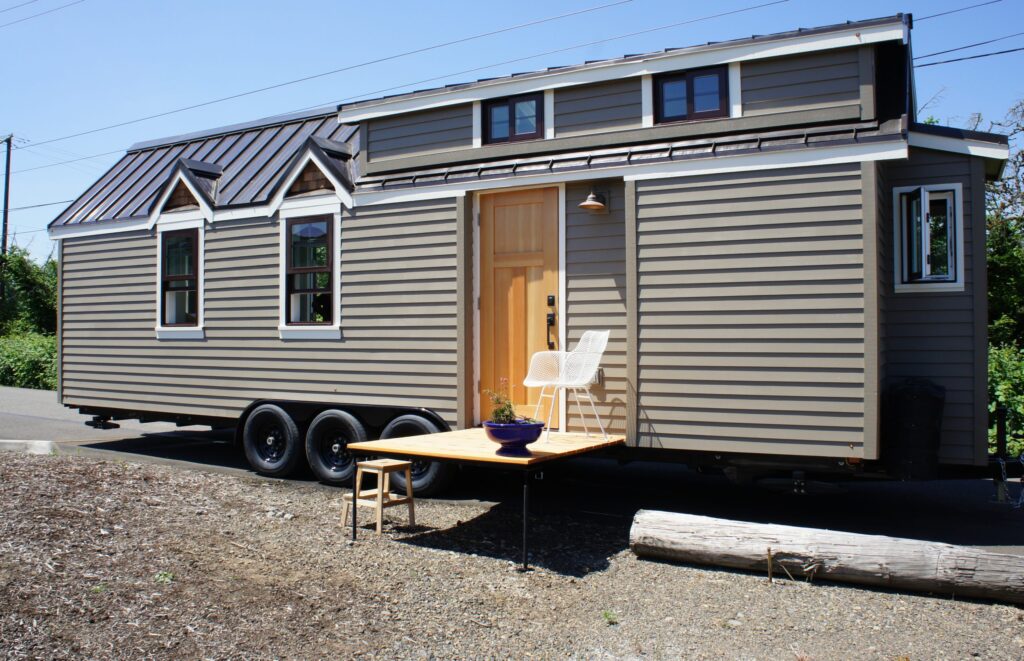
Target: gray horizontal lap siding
[612,106]
[595,274]
[415,134]
[931,334]
[801,82]
[751,312]
[397,318]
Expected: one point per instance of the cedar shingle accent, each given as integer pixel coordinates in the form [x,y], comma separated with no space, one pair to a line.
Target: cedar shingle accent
[181,198]
[311,179]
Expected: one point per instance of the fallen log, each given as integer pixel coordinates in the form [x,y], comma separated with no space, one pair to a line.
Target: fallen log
[890,562]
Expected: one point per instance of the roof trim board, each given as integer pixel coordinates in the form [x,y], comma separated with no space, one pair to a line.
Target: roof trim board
[313,151]
[847,35]
[183,172]
[893,147]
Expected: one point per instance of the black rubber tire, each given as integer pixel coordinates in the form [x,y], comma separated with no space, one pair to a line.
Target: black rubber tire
[326,439]
[428,477]
[271,441]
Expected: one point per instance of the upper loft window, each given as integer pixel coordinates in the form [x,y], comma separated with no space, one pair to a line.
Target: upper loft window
[929,237]
[180,278]
[692,95]
[309,299]
[513,119]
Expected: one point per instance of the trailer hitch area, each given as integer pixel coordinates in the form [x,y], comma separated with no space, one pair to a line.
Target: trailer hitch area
[100,422]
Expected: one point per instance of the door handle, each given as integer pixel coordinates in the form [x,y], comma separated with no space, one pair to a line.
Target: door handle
[550,325]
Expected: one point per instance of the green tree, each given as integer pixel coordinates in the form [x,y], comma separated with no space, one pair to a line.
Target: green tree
[30,300]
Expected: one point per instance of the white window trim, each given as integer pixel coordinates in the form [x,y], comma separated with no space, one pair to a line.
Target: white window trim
[318,205]
[735,90]
[897,229]
[478,125]
[169,222]
[647,101]
[549,114]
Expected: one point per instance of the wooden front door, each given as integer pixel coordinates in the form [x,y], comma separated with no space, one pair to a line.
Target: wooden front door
[518,272]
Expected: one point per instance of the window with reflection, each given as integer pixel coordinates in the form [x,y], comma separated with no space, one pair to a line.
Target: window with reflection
[515,118]
[309,297]
[928,224]
[179,278]
[692,95]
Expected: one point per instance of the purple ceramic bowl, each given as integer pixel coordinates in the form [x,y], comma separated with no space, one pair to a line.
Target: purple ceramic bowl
[513,436]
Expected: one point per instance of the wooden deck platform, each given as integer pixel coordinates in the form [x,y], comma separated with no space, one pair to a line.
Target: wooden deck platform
[473,446]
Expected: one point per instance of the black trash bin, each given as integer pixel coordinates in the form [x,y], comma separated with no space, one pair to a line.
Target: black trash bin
[912,428]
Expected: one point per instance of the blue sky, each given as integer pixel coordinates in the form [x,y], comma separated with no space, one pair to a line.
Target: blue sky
[100,62]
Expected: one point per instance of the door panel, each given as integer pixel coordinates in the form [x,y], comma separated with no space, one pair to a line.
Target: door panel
[518,271]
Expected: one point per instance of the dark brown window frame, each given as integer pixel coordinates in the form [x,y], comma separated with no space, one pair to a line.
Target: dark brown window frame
[290,270]
[510,102]
[166,279]
[688,76]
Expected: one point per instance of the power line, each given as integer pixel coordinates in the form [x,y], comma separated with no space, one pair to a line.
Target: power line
[546,53]
[980,43]
[334,71]
[16,6]
[42,13]
[44,204]
[968,57]
[458,73]
[953,11]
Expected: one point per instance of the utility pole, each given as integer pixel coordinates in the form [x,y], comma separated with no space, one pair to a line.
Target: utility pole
[7,203]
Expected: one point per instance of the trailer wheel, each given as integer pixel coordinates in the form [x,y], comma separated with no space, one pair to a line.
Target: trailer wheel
[327,445]
[428,477]
[271,440]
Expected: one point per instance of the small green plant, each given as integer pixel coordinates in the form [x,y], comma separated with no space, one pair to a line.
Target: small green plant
[610,618]
[28,360]
[164,577]
[99,588]
[1006,388]
[503,411]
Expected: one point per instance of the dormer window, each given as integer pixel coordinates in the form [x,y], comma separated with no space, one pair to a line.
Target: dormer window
[692,95]
[513,119]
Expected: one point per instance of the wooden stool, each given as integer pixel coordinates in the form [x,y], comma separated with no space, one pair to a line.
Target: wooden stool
[381,497]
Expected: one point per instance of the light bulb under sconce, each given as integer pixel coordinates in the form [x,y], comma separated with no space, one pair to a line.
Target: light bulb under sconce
[596,202]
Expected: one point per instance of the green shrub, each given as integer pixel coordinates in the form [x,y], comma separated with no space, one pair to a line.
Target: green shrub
[1006,388]
[28,361]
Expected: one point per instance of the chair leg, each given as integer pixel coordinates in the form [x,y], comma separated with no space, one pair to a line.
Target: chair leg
[551,413]
[344,511]
[540,402]
[579,407]
[593,408]
[408,494]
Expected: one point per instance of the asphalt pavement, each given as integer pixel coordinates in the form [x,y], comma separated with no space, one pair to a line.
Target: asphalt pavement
[953,511]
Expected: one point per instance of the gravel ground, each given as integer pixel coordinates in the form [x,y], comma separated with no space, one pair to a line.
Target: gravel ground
[103,559]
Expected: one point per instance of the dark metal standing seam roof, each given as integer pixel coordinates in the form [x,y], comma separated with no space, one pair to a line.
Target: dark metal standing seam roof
[252,158]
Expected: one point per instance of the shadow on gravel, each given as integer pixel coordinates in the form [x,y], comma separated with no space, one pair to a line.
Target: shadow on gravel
[569,545]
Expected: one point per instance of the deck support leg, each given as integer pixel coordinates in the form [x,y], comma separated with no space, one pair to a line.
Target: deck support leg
[526,515]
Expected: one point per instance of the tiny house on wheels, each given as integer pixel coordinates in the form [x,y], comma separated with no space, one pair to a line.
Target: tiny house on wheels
[775,242]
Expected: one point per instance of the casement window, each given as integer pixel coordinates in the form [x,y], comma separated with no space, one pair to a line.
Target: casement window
[691,95]
[929,237]
[514,118]
[179,278]
[309,297]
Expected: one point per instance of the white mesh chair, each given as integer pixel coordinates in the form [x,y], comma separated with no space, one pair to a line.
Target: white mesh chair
[573,371]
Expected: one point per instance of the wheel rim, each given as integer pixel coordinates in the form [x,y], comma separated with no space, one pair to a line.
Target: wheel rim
[418,468]
[271,442]
[334,452]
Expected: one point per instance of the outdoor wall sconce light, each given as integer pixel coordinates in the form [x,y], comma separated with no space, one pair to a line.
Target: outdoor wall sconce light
[596,202]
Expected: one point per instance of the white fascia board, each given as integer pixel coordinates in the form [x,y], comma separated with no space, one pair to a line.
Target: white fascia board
[646,101]
[313,205]
[204,208]
[339,190]
[98,228]
[959,145]
[657,63]
[180,220]
[855,153]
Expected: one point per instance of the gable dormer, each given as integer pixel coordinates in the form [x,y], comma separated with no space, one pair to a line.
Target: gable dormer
[191,186]
[320,167]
